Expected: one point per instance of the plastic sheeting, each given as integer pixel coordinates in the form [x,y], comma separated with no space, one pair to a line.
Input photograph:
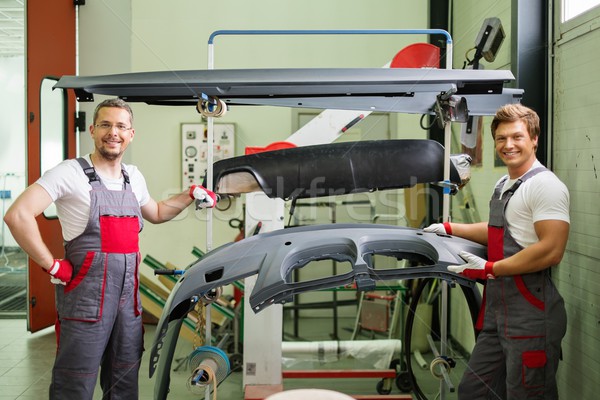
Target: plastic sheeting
[377,354]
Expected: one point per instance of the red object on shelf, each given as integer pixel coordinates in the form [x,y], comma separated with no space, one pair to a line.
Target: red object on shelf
[374,315]
[382,396]
[417,55]
[260,392]
[338,373]
[270,147]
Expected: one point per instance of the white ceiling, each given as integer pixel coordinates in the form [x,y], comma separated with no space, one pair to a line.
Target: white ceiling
[12,27]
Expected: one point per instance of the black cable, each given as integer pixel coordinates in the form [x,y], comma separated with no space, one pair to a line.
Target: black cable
[410,318]
[292,209]
[473,299]
[223,197]
[427,127]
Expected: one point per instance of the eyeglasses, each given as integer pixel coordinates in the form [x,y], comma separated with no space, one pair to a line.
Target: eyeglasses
[109,127]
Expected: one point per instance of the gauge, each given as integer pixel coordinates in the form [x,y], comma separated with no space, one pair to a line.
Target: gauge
[191,151]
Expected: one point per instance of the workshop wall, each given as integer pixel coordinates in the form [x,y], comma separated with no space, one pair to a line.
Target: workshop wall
[102,51]
[576,155]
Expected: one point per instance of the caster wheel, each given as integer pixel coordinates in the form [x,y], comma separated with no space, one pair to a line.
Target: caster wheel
[395,364]
[381,389]
[236,362]
[403,382]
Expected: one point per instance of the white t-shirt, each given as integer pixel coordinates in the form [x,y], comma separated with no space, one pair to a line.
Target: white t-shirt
[69,188]
[542,197]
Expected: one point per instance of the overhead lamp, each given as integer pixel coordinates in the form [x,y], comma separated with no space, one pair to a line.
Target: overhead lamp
[487,44]
[489,39]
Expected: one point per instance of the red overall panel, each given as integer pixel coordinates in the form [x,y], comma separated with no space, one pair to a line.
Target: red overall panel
[50,53]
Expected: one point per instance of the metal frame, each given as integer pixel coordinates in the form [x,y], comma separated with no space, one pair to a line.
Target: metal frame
[406,90]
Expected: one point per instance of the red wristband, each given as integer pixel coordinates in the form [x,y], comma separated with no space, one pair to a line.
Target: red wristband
[448,228]
[191,192]
[489,269]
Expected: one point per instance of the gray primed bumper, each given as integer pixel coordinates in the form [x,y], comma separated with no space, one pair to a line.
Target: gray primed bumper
[274,255]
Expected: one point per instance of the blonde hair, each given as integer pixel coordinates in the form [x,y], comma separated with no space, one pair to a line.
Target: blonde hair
[517,112]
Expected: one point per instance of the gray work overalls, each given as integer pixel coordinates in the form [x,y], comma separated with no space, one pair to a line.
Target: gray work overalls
[99,312]
[517,351]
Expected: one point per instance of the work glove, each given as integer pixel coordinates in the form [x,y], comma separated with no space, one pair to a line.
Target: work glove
[442,229]
[204,197]
[61,272]
[475,268]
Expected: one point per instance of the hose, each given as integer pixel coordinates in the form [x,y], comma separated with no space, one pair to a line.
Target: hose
[201,378]
[473,299]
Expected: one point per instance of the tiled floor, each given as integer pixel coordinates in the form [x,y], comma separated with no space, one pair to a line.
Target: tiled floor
[25,361]
[26,364]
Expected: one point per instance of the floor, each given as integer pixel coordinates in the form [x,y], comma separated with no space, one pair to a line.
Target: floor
[26,359]
[26,366]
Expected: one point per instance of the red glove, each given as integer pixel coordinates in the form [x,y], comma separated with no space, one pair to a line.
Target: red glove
[61,272]
[475,268]
[204,197]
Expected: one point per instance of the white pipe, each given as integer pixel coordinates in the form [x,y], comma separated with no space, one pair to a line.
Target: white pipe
[379,352]
[209,211]
[445,218]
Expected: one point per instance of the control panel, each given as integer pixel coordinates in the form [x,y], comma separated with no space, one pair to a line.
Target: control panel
[194,149]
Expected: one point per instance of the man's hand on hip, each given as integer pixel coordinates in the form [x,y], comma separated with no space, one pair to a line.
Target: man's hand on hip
[61,272]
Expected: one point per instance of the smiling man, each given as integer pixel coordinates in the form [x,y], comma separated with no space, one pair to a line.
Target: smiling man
[523,318]
[101,204]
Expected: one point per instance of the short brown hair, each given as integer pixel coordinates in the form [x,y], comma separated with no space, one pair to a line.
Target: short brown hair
[516,112]
[117,103]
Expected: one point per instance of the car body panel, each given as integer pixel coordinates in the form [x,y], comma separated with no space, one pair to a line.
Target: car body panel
[409,90]
[275,255]
[334,169]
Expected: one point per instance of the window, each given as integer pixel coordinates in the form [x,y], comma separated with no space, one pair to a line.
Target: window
[573,8]
[53,127]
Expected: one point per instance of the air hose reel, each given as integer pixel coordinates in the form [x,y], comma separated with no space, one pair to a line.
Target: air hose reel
[209,365]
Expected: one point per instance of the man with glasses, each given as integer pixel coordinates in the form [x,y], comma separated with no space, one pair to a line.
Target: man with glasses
[101,204]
